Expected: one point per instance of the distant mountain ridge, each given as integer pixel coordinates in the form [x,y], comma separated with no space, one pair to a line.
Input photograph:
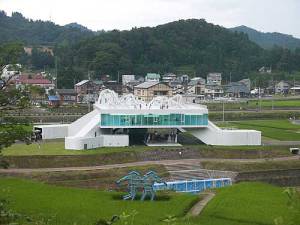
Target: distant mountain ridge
[78,26]
[268,40]
[31,32]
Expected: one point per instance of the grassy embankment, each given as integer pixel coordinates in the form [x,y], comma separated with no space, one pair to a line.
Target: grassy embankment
[57,148]
[241,204]
[96,179]
[251,166]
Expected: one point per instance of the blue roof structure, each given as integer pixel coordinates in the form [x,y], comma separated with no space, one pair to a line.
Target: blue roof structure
[53,98]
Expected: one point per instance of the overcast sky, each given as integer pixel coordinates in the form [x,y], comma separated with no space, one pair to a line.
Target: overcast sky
[264,15]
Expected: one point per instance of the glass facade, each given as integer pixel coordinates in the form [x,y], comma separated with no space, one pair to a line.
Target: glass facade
[153,120]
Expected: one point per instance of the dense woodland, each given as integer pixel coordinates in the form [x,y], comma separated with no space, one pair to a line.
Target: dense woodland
[29,32]
[192,47]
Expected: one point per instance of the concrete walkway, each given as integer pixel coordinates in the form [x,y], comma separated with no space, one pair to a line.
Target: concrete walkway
[143,163]
[280,143]
[199,206]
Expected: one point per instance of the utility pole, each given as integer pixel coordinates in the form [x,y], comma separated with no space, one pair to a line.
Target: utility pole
[259,99]
[56,78]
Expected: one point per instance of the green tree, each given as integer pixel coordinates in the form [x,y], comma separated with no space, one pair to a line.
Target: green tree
[11,99]
[41,59]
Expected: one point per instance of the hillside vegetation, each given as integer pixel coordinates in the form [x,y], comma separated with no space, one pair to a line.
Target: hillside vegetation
[30,32]
[191,46]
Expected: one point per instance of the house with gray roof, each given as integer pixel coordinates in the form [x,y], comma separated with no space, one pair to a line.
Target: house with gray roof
[148,90]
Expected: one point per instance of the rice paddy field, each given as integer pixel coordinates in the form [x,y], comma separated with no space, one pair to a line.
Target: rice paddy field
[283,130]
[266,104]
[240,204]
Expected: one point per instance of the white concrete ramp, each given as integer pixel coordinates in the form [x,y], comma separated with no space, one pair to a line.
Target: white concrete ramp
[213,135]
[84,125]
[83,131]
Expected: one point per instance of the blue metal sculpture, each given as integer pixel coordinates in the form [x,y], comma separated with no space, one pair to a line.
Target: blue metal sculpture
[135,181]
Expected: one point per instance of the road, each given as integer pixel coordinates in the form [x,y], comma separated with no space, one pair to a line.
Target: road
[143,163]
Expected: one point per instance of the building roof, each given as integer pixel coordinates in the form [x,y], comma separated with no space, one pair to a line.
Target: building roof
[153,76]
[37,79]
[109,100]
[53,98]
[147,84]
[195,82]
[236,87]
[98,82]
[81,82]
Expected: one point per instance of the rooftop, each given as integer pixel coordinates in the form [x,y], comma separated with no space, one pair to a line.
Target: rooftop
[147,84]
[36,79]
[53,98]
[81,82]
[66,91]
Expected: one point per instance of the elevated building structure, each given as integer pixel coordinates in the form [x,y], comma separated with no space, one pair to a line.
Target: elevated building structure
[115,121]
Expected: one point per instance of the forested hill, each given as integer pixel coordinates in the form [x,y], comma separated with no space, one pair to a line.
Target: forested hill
[182,46]
[192,47]
[18,28]
[268,40]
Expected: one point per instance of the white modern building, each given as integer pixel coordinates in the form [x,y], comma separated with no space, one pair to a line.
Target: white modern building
[115,120]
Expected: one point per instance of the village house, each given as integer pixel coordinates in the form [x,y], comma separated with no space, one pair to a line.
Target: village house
[213,91]
[169,77]
[34,80]
[87,88]
[67,96]
[237,89]
[196,86]
[214,79]
[148,90]
[282,87]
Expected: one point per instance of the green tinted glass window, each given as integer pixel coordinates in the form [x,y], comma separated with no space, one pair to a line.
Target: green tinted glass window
[154,120]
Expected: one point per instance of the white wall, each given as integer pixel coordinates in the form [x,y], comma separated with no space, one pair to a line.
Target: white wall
[115,140]
[213,135]
[53,131]
[76,143]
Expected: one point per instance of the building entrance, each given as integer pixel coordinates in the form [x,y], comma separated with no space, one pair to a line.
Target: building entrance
[161,137]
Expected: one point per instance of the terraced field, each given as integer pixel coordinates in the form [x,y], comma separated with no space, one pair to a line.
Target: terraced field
[241,204]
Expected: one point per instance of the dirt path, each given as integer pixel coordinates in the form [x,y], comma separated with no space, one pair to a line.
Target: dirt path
[143,163]
[199,206]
